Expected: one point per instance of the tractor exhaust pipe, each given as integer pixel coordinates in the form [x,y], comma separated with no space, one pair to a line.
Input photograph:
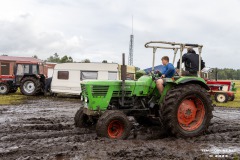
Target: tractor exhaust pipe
[123,77]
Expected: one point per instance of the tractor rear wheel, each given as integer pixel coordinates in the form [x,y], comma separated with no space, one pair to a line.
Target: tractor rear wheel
[221,97]
[113,124]
[30,86]
[187,110]
[231,98]
[4,88]
[82,120]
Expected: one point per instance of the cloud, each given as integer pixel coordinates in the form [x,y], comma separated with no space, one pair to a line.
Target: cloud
[100,30]
[21,37]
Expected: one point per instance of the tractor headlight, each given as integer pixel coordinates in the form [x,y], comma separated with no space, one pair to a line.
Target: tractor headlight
[86,99]
[81,98]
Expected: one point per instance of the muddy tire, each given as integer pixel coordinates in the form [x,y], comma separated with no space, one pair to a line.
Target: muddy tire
[113,124]
[30,86]
[231,98]
[81,120]
[221,97]
[187,110]
[4,88]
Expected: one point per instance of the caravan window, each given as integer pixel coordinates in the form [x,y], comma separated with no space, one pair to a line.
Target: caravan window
[112,75]
[89,75]
[63,74]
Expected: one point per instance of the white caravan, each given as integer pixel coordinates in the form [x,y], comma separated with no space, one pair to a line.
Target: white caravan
[67,77]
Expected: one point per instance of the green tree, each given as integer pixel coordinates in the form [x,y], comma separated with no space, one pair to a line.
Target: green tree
[104,61]
[66,59]
[35,56]
[86,61]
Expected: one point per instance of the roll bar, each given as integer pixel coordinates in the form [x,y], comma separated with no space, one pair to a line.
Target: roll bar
[174,46]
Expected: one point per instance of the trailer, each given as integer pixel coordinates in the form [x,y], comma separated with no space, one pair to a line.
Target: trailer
[67,77]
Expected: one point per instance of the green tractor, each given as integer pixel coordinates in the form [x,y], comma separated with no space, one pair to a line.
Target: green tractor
[184,109]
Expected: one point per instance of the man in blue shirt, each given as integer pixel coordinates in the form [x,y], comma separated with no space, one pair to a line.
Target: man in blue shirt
[167,72]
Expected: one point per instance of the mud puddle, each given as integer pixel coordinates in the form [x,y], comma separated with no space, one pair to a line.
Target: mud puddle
[43,129]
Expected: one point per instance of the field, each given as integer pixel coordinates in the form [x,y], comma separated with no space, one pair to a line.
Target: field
[13,98]
[43,128]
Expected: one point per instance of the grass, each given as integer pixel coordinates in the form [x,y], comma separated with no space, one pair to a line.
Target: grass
[236,102]
[12,98]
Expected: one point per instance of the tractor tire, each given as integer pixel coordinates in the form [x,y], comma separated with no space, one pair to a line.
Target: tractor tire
[13,90]
[113,124]
[30,86]
[81,120]
[187,110]
[221,97]
[231,98]
[4,88]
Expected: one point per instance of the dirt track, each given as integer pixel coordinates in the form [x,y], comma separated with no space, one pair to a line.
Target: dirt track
[43,129]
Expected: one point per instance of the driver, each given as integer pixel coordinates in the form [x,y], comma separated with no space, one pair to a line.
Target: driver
[167,72]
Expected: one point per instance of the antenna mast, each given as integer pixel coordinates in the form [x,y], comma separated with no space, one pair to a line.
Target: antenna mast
[130,57]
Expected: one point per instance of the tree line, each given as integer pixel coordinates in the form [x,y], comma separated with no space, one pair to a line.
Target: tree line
[225,73]
[55,58]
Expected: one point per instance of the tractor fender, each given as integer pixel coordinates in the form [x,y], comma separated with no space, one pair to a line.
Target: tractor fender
[194,81]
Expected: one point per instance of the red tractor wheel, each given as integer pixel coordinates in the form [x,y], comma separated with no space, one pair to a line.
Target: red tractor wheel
[231,98]
[191,113]
[113,124]
[221,97]
[187,110]
[4,88]
[115,129]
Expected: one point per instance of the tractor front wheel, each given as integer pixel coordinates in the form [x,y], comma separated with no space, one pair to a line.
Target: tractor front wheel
[82,120]
[4,88]
[187,110]
[231,98]
[113,124]
[221,97]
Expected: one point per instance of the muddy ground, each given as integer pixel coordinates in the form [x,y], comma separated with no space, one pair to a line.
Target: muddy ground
[43,129]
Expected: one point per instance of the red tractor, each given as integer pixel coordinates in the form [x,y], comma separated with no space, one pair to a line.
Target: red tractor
[26,76]
[222,90]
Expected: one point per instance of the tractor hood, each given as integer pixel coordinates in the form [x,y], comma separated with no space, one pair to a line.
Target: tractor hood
[100,92]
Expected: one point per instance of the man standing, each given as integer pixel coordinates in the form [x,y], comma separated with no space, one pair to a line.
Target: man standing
[168,72]
[191,62]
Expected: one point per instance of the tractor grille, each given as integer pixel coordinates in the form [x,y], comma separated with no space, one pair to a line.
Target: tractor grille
[84,91]
[99,90]
[119,93]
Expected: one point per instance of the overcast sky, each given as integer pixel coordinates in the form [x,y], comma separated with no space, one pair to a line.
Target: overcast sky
[100,29]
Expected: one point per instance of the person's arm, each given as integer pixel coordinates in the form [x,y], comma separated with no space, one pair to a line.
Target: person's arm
[178,64]
[170,68]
